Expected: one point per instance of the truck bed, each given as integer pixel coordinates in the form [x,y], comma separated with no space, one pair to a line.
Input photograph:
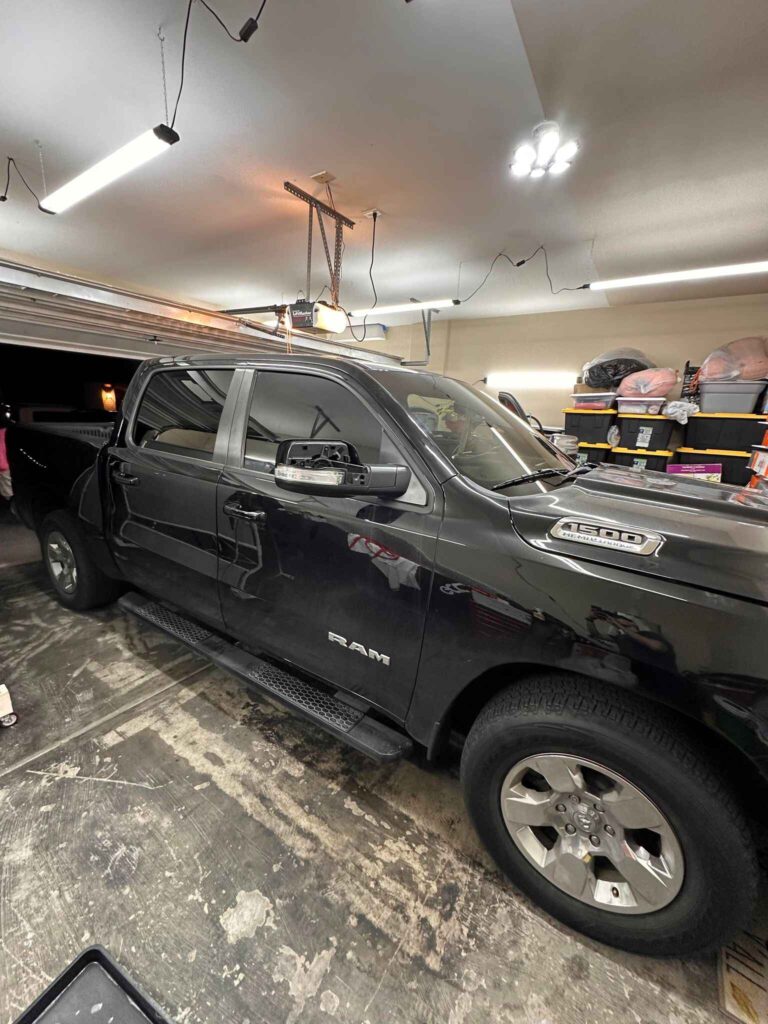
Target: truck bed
[46,459]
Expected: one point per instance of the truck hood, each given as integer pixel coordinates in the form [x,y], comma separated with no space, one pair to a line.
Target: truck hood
[710,536]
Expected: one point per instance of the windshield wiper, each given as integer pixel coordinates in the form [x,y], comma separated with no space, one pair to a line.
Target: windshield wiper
[542,474]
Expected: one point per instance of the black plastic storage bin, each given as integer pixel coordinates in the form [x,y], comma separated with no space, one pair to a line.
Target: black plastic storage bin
[641,458]
[592,453]
[589,425]
[724,431]
[735,464]
[642,430]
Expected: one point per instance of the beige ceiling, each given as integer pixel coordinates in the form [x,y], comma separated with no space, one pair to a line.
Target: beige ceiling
[416,108]
[670,98]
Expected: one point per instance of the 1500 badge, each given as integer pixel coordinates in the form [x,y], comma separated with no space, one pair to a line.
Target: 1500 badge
[634,542]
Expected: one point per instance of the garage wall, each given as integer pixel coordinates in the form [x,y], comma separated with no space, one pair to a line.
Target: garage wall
[670,333]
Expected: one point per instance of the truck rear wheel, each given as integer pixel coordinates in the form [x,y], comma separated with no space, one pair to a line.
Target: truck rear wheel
[601,810]
[77,580]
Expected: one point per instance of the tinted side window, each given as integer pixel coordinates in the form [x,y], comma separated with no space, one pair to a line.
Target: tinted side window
[288,406]
[180,411]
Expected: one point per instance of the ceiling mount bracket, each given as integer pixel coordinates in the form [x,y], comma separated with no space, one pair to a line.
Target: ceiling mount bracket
[426,322]
[321,208]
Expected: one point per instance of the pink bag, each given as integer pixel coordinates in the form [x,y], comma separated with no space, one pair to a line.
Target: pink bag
[654,383]
[743,359]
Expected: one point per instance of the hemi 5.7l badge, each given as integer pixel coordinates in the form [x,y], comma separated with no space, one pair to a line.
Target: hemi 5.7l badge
[634,542]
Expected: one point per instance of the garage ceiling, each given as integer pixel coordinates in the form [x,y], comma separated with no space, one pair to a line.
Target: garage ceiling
[416,109]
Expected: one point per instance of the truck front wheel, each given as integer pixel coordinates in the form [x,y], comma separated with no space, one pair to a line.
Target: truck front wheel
[609,817]
[77,580]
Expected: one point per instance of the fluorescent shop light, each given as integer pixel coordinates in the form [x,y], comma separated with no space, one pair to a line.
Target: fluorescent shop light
[700,274]
[406,307]
[532,380]
[148,145]
[368,338]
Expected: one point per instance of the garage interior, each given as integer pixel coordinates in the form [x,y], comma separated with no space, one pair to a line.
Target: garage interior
[238,863]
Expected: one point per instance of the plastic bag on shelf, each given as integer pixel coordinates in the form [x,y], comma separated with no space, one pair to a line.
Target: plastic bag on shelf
[653,383]
[680,410]
[743,359]
[610,368]
[568,444]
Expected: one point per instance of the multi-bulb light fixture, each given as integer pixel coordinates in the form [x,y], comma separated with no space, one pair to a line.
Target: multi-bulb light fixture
[546,154]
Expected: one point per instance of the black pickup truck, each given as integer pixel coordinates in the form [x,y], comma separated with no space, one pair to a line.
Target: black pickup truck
[399,559]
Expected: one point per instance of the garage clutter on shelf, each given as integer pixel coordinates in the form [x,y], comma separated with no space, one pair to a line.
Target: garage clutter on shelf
[626,411]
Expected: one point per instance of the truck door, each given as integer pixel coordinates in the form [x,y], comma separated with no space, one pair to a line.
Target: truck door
[338,586]
[162,481]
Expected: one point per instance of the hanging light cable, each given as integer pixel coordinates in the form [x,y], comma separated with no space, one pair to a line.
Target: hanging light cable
[144,147]
[11,163]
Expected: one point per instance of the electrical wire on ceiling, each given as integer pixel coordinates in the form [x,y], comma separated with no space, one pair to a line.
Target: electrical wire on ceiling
[375,217]
[516,264]
[244,35]
[11,163]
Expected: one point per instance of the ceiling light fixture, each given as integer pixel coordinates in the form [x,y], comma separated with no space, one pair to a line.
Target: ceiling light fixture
[143,148]
[700,274]
[547,153]
[147,145]
[406,307]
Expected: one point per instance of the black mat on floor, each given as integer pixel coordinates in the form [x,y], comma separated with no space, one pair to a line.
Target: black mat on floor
[96,989]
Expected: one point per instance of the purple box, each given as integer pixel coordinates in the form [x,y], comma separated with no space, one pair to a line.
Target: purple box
[711,471]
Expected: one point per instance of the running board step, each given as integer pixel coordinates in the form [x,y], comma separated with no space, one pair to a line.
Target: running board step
[307,699]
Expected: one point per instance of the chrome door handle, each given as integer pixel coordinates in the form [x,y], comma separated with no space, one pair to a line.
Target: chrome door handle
[232,508]
[125,479]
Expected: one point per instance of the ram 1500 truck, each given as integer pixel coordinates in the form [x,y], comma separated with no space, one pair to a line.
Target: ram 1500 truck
[401,560]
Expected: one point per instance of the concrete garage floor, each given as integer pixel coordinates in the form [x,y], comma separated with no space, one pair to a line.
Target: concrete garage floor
[246,868]
[18,545]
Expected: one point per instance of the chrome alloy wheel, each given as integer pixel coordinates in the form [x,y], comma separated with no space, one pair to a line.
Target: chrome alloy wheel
[592,833]
[61,559]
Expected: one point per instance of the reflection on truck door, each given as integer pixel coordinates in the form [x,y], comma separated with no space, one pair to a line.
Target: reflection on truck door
[308,568]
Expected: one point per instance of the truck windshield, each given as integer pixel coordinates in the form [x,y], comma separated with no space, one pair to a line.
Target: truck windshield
[482,439]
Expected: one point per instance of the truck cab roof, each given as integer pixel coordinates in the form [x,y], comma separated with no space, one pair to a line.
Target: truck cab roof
[356,368]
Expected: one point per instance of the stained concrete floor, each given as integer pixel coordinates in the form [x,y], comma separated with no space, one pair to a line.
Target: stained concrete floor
[246,868]
[18,545]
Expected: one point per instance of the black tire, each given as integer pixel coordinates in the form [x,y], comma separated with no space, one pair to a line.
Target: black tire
[92,588]
[557,713]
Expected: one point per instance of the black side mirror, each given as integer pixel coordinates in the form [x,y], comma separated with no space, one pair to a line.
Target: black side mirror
[333,468]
